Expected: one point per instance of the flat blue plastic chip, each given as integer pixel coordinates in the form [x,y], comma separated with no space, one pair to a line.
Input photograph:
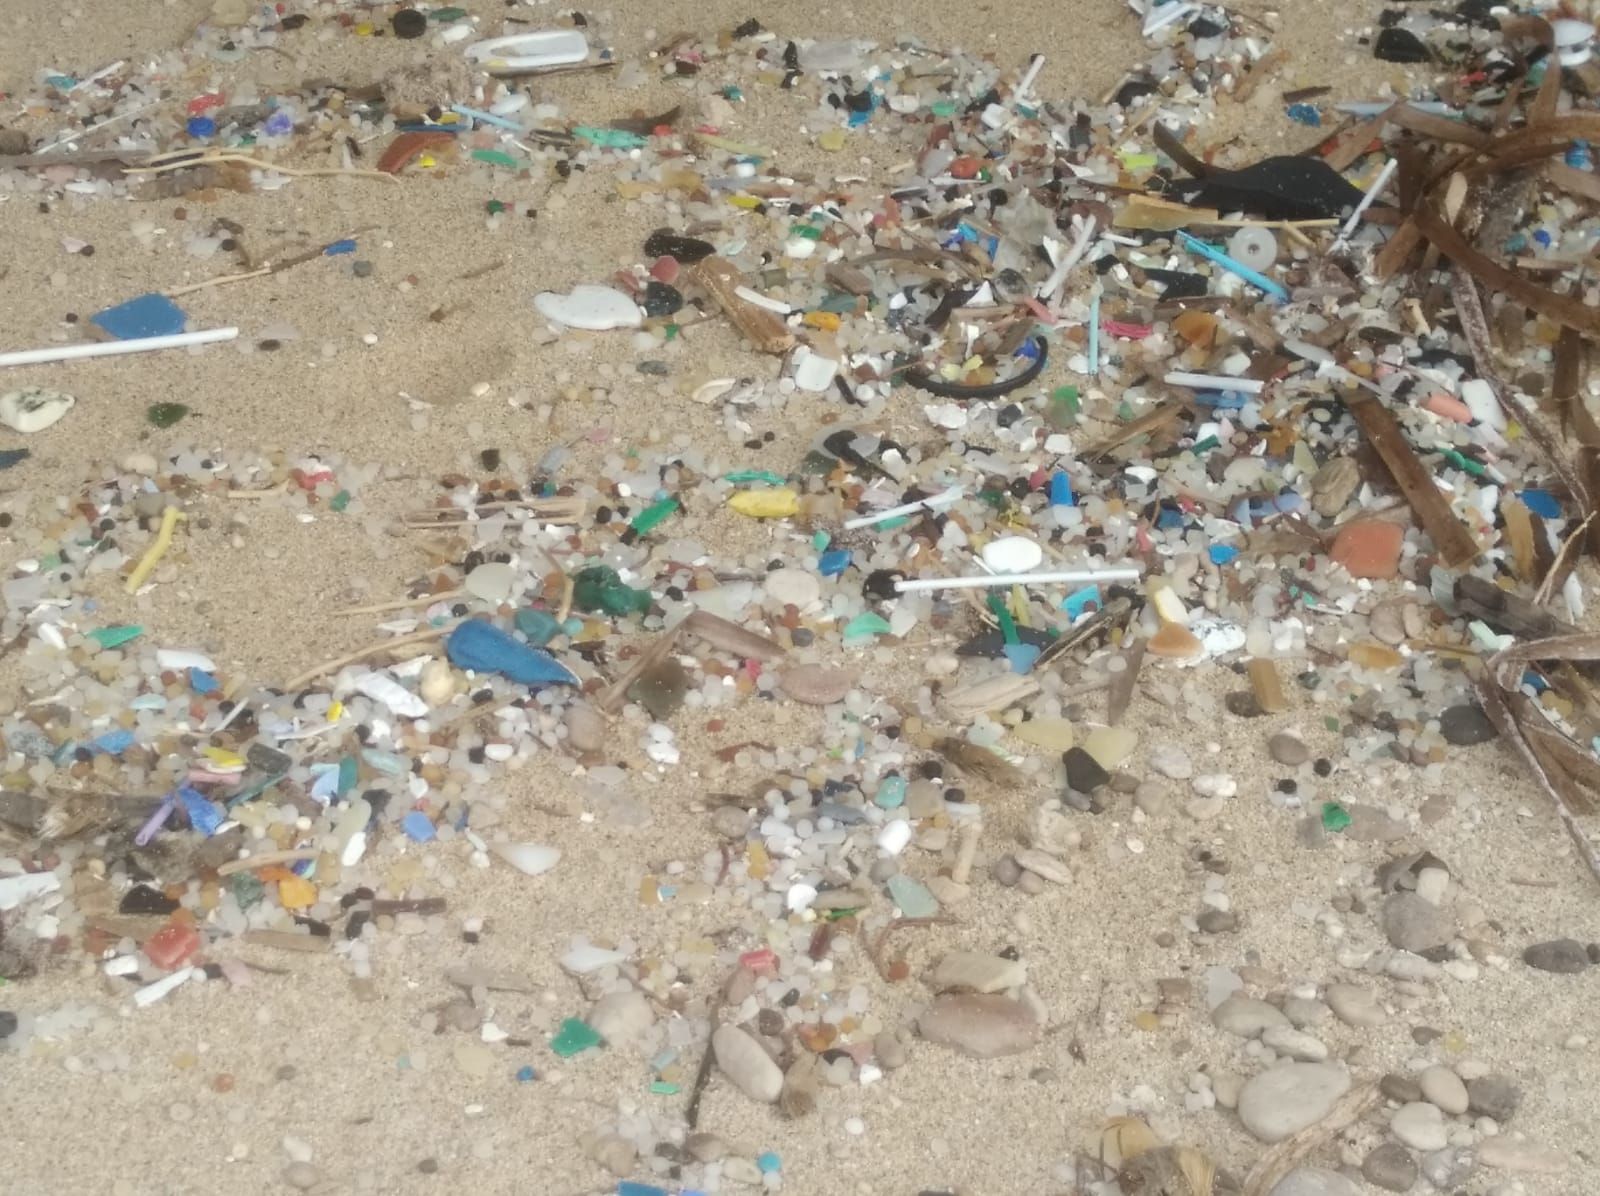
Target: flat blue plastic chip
[145,315]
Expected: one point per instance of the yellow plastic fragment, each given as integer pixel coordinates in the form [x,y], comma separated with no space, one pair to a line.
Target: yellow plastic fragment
[766,504]
[158,549]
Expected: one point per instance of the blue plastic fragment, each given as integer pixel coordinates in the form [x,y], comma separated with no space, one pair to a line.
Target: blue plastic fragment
[526,1074]
[484,648]
[204,814]
[1223,554]
[1061,489]
[202,126]
[1304,114]
[1225,400]
[326,784]
[112,743]
[202,682]
[10,457]
[833,563]
[1541,502]
[1022,656]
[418,827]
[1169,518]
[626,1187]
[768,1161]
[1079,601]
[339,247]
[279,123]
[144,315]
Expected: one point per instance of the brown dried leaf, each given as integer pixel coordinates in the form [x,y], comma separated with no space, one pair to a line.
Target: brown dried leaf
[1451,539]
[978,761]
[730,637]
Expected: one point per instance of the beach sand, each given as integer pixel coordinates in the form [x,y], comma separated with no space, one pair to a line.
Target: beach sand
[132,1104]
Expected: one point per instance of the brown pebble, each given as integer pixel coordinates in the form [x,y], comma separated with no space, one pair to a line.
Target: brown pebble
[1400,1089]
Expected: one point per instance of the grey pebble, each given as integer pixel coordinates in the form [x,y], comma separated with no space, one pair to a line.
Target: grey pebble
[1449,1168]
[1414,924]
[1007,871]
[1302,1012]
[1247,1017]
[1558,955]
[1401,1089]
[1466,725]
[1354,1005]
[1290,1097]
[1495,1096]
[301,1176]
[1314,1181]
[1420,1126]
[1390,1167]
[983,1026]
[1288,749]
[1217,921]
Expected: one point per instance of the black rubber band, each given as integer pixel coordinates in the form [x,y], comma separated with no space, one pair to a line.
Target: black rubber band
[923,380]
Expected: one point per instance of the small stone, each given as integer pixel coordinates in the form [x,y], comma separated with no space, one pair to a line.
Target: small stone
[1303,1012]
[1217,921]
[1174,641]
[33,409]
[1332,486]
[1084,772]
[983,1026]
[1558,955]
[1444,1088]
[1390,1167]
[1226,1086]
[490,582]
[1420,1126]
[1288,749]
[744,1061]
[1414,924]
[437,683]
[1369,548]
[706,1148]
[888,1050]
[612,1151]
[1006,870]
[1289,1097]
[1296,1044]
[1466,725]
[1052,734]
[530,859]
[586,729]
[1505,1153]
[816,685]
[1495,1096]
[978,972]
[8,1024]
[622,1018]
[1247,1017]
[1172,761]
[1448,1169]
[1314,1181]
[1110,746]
[1387,623]
[792,587]
[408,23]
[1044,865]
[1400,1089]
[301,1176]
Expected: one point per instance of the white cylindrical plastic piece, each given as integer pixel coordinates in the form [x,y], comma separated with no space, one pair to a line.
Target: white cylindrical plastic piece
[991,581]
[143,344]
[1254,247]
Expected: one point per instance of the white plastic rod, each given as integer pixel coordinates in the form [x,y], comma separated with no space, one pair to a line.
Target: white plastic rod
[991,581]
[932,503]
[143,344]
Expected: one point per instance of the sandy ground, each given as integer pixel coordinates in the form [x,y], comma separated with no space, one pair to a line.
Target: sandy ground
[131,1106]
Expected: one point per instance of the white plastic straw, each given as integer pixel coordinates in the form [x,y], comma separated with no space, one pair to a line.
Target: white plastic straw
[1378,184]
[145,344]
[910,508]
[1245,386]
[991,581]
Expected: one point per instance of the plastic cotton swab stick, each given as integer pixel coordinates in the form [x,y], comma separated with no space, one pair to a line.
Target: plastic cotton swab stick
[143,344]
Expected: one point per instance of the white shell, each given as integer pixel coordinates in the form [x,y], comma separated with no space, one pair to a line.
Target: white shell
[529,858]
[33,409]
[588,306]
[382,688]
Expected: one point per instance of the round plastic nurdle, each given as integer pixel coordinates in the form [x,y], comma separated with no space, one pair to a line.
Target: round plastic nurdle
[408,23]
[1253,247]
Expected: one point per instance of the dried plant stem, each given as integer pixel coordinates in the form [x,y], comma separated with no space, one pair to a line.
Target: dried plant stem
[378,649]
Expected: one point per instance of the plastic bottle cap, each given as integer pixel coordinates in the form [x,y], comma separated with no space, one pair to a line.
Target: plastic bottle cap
[1253,247]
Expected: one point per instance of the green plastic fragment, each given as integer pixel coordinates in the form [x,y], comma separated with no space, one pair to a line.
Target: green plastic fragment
[1008,625]
[164,415]
[600,588]
[496,158]
[755,475]
[1331,723]
[672,331]
[809,231]
[447,14]
[573,1037]
[833,915]
[888,525]
[494,207]
[838,303]
[339,501]
[348,771]
[662,1088]
[539,626]
[646,520]
[115,637]
[1460,461]
[246,889]
[943,107]
[608,138]
[865,626]
[914,898]
[1335,817]
[1206,445]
